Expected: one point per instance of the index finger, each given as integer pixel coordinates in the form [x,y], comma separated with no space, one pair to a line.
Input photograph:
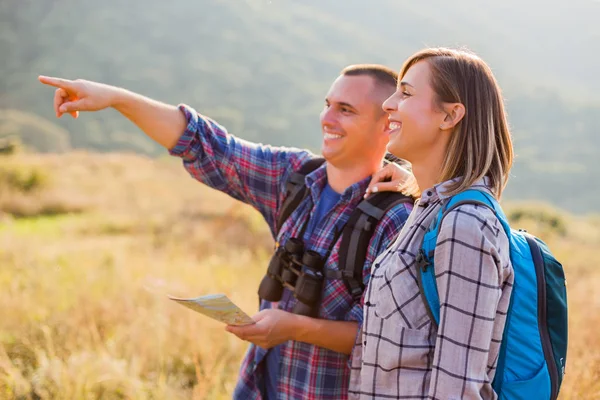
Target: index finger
[56,82]
[382,174]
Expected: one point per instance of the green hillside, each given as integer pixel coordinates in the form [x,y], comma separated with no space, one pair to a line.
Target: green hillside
[262,67]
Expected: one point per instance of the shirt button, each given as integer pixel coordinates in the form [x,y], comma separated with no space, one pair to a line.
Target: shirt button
[429,193]
[368,304]
[365,343]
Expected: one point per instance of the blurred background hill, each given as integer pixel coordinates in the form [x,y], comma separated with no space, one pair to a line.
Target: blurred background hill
[262,67]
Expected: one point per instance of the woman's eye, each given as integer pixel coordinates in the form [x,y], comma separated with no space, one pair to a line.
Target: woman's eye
[406,94]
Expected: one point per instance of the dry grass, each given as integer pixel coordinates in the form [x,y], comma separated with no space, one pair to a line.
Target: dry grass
[84,314]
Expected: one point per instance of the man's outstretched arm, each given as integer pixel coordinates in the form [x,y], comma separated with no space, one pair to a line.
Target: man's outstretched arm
[163,123]
[249,172]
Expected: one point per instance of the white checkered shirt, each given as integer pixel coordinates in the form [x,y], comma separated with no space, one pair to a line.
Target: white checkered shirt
[400,353]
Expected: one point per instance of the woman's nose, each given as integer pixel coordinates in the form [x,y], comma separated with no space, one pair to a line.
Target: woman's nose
[389,104]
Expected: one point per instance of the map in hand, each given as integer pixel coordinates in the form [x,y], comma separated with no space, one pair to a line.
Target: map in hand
[218,307]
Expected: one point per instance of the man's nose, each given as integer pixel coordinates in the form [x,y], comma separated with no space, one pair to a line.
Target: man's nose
[327,117]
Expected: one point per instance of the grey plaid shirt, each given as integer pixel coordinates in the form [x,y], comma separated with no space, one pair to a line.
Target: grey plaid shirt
[400,353]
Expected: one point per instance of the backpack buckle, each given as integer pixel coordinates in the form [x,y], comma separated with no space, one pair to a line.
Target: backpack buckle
[356,293]
[422,260]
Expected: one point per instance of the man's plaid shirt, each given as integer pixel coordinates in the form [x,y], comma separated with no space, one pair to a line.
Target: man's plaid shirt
[401,354]
[256,174]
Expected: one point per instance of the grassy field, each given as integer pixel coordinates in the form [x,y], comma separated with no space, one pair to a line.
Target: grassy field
[95,242]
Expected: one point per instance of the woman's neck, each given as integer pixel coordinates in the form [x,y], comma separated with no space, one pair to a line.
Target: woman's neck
[428,171]
[426,176]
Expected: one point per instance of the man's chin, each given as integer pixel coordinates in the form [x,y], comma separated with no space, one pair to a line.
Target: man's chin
[333,159]
[327,154]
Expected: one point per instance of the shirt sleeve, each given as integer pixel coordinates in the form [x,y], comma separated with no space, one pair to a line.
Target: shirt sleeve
[470,276]
[250,172]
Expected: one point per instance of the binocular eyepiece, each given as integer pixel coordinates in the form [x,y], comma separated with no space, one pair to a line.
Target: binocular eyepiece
[298,270]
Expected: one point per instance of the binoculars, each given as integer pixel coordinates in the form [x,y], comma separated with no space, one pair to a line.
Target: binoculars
[298,270]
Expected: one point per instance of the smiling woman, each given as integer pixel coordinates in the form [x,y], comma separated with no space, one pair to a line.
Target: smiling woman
[432,113]
[447,103]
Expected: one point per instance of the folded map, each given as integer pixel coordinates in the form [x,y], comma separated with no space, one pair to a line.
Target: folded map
[218,307]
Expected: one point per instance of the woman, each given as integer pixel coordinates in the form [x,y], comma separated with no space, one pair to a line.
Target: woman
[447,119]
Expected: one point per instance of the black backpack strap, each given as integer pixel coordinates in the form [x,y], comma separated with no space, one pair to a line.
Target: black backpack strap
[357,234]
[296,190]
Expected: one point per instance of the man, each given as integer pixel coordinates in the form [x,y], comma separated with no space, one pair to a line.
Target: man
[308,357]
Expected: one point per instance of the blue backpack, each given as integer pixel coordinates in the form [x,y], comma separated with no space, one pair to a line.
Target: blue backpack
[533,353]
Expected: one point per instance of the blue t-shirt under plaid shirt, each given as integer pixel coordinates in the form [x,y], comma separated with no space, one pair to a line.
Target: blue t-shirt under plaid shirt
[256,174]
[329,198]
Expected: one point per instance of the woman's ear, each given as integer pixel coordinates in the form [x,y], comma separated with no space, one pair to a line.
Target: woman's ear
[455,112]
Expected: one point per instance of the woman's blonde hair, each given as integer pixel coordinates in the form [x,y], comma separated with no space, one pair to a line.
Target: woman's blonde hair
[481,144]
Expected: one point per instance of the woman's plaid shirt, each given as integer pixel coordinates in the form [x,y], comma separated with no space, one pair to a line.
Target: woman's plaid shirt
[401,354]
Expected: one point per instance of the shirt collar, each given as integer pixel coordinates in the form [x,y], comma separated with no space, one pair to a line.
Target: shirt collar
[438,191]
[317,179]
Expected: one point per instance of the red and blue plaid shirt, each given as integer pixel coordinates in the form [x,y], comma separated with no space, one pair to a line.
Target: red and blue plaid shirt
[256,174]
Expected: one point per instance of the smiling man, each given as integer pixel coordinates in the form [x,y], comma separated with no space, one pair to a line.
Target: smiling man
[291,356]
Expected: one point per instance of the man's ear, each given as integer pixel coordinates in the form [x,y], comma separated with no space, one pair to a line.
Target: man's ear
[455,112]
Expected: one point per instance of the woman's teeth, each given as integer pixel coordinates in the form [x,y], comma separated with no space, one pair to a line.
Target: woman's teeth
[395,125]
[330,136]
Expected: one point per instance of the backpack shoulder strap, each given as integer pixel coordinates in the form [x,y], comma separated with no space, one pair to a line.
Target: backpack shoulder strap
[357,234]
[425,257]
[296,190]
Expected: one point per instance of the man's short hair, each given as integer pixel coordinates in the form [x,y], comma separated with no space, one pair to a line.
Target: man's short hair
[384,77]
